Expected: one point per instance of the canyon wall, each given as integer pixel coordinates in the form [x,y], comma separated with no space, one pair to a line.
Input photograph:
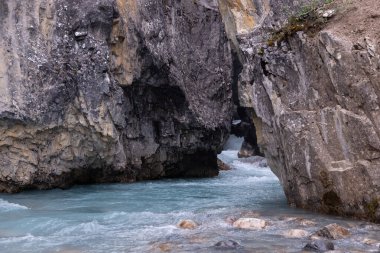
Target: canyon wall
[111,91]
[122,90]
[312,80]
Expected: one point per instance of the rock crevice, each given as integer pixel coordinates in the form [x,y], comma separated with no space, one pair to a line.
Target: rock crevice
[315,97]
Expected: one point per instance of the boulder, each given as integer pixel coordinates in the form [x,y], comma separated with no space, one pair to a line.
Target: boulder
[295,233]
[165,247]
[319,246]
[187,224]
[227,244]
[306,223]
[247,150]
[370,241]
[250,223]
[222,165]
[333,231]
[300,221]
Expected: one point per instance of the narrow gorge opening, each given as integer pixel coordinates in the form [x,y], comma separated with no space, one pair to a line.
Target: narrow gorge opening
[140,95]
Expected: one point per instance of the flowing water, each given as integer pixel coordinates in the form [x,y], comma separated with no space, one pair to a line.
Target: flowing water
[142,217]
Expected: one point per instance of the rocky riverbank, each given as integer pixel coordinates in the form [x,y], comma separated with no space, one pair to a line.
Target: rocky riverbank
[126,90]
[177,215]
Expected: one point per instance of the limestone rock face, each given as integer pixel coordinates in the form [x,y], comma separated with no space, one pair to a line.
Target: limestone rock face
[111,90]
[316,101]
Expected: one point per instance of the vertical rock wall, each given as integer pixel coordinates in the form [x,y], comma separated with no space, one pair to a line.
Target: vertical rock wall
[315,97]
[106,90]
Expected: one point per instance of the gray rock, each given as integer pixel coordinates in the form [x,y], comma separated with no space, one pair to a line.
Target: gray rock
[228,244]
[315,98]
[333,231]
[111,91]
[223,166]
[319,246]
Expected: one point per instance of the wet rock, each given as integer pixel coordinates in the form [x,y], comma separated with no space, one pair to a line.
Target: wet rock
[246,150]
[263,164]
[295,233]
[165,247]
[228,244]
[319,246]
[223,166]
[251,214]
[187,224]
[333,231]
[250,223]
[299,221]
[198,239]
[370,241]
[305,222]
[230,220]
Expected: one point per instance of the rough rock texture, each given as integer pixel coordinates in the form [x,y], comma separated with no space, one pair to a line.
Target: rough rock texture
[250,223]
[333,232]
[111,90]
[316,100]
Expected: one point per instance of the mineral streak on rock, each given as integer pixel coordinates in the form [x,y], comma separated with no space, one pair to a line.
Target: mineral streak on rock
[315,95]
[111,91]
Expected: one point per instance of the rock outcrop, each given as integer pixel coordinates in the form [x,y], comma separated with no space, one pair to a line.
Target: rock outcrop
[111,91]
[314,88]
[125,90]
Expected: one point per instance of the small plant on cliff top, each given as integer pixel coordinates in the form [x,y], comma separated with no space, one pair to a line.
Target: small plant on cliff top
[307,18]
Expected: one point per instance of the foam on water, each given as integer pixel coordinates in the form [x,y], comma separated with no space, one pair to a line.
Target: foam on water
[138,217]
[6,206]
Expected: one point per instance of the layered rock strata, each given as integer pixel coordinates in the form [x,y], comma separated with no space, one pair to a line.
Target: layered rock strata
[111,91]
[315,94]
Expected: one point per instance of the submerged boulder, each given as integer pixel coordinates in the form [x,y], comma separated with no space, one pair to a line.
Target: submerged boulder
[187,224]
[223,166]
[319,246]
[295,233]
[227,245]
[333,231]
[250,223]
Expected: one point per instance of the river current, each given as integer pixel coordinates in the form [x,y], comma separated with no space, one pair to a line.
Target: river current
[143,217]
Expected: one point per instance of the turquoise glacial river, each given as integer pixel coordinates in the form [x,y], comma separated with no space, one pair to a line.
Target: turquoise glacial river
[143,217]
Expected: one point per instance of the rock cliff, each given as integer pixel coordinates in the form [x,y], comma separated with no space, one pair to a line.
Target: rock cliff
[111,91]
[125,90]
[311,75]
